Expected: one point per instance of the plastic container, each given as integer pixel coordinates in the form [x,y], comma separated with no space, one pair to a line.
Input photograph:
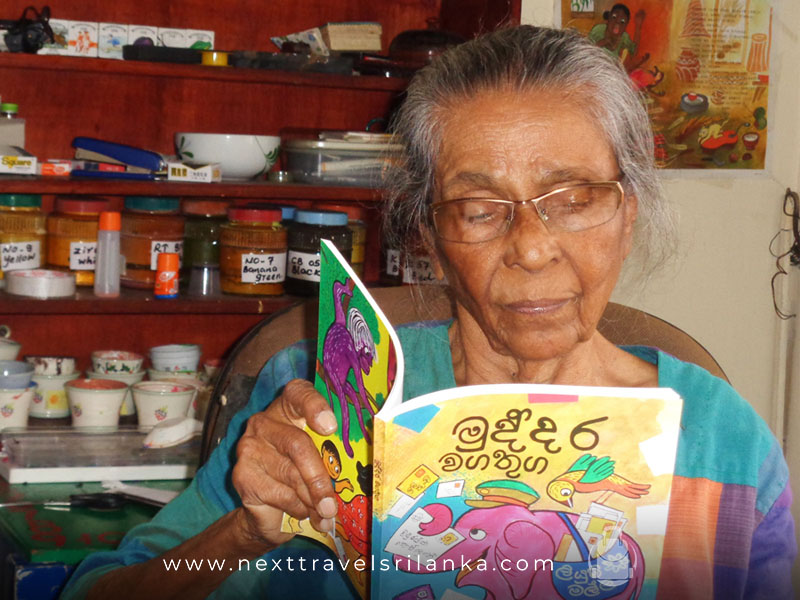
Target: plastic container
[12,128]
[338,162]
[309,227]
[253,252]
[150,225]
[72,237]
[166,286]
[22,232]
[107,264]
[204,220]
[356,221]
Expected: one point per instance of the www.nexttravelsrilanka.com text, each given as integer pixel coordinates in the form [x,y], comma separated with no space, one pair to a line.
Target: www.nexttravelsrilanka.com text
[305,565]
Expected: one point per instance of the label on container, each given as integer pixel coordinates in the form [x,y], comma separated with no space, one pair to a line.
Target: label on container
[82,256]
[419,269]
[303,265]
[393,262]
[20,255]
[157,248]
[263,268]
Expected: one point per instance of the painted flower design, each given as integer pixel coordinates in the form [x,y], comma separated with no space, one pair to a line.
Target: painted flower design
[37,398]
[7,410]
[161,413]
[76,410]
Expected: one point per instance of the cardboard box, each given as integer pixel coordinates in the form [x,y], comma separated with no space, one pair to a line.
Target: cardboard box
[140,33]
[15,161]
[199,39]
[171,37]
[82,39]
[55,167]
[111,38]
[178,171]
[352,36]
[60,46]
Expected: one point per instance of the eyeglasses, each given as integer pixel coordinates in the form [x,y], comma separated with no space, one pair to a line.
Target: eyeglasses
[568,209]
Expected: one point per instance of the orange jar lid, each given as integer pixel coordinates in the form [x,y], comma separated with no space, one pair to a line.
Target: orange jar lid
[81,206]
[205,208]
[254,215]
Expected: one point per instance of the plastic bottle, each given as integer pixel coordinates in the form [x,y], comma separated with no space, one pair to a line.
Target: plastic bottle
[167,275]
[107,261]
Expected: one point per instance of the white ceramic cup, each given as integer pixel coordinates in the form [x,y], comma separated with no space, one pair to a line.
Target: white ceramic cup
[158,401]
[15,407]
[9,349]
[95,402]
[50,398]
[128,407]
[52,365]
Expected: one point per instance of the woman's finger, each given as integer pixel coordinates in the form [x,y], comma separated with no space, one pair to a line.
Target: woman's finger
[302,403]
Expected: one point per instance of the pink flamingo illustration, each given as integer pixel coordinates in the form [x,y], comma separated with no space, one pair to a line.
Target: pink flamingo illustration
[348,346]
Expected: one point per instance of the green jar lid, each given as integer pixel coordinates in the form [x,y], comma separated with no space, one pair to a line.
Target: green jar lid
[9,107]
[152,203]
[21,200]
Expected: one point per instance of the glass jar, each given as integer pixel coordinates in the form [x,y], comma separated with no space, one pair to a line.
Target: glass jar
[253,252]
[72,236]
[309,227]
[150,226]
[201,238]
[22,232]
[356,222]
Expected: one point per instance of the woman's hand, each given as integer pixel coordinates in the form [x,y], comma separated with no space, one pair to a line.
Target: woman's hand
[278,468]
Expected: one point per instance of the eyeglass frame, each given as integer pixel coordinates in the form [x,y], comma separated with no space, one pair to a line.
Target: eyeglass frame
[614,183]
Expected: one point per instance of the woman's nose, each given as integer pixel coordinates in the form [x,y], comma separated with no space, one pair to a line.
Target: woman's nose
[529,244]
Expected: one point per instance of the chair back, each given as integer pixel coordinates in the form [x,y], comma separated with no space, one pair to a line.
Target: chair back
[621,324]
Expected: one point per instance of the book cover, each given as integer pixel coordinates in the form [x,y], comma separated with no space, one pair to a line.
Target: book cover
[500,491]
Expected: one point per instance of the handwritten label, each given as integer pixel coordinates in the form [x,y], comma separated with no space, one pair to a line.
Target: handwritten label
[303,265]
[419,269]
[263,268]
[393,263]
[20,255]
[157,248]
[82,256]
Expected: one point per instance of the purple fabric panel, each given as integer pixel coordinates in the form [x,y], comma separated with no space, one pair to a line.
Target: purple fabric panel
[729,583]
[772,554]
[735,525]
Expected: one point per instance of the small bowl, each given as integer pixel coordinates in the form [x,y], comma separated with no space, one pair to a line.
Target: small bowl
[156,375]
[50,398]
[116,361]
[128,407]
[52,365]
[95,402]
[9,349]
[15,407]
[15,374]
[239,156]
[158,401]
[750,140]
[175,357]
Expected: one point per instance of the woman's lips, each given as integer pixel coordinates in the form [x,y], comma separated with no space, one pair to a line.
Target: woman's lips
[538,307]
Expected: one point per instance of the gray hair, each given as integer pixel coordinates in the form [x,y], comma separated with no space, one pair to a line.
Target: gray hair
[527,58]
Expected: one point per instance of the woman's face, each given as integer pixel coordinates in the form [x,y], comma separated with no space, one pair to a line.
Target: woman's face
[534,294]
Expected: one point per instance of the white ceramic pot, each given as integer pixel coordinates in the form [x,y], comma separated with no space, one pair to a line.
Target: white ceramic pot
[52,365]
[9,349]
[50,398]
[95,403]
[116,361]
[15,407]
[158,401]
[128,407]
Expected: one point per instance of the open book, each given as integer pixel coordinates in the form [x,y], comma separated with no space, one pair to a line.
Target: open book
[498,491]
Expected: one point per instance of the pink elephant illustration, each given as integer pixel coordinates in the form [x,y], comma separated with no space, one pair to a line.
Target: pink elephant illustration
[510,539]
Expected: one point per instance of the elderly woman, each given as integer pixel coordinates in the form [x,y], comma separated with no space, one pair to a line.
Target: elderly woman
[528,170]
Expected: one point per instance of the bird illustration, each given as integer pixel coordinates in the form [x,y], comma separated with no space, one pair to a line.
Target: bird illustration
[591,474]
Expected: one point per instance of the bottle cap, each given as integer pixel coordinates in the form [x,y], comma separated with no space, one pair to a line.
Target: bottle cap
[168,261]
[354,212]
[205,208]
[21,200]
[109,221]
[254,215]
[152,204]
[9,107]
[82,206]
[327,218]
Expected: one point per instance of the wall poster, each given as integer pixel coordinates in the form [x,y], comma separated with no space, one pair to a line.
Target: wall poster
[702,67]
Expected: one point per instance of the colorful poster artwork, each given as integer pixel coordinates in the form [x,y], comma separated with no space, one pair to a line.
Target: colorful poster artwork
[702,67]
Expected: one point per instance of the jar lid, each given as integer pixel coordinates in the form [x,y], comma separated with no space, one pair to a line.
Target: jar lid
[152,203]
[287,210]
[205,208]
[21,200]
[9,107]
[83,206]
[326,218]
[254,215]
[354,212]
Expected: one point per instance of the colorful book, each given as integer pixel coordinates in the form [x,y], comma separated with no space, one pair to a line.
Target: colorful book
[498,491]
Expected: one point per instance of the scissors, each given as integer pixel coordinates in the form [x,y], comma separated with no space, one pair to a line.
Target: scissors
[98,501]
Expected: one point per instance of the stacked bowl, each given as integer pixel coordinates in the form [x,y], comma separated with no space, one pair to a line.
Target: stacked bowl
[119,365]
[174,359]
[51,373]
[16,392]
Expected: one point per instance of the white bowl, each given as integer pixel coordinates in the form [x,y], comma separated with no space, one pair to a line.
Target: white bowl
[116,361]
[50,398]
[15,407]
[52,365]
[158,401]
[175,357]
[239,156]
[128,407]
[95,402]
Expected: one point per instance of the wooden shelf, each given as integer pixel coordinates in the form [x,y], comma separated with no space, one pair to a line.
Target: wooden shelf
[105,67]
[119,187]
[132,302]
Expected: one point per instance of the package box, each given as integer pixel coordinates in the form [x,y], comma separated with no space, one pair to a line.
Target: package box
[199,39]
[178,171]
[111,38]
[55,167]
[16,161]
[352,36]
[171,37]
[82,39]
[139,35]
[60,43]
